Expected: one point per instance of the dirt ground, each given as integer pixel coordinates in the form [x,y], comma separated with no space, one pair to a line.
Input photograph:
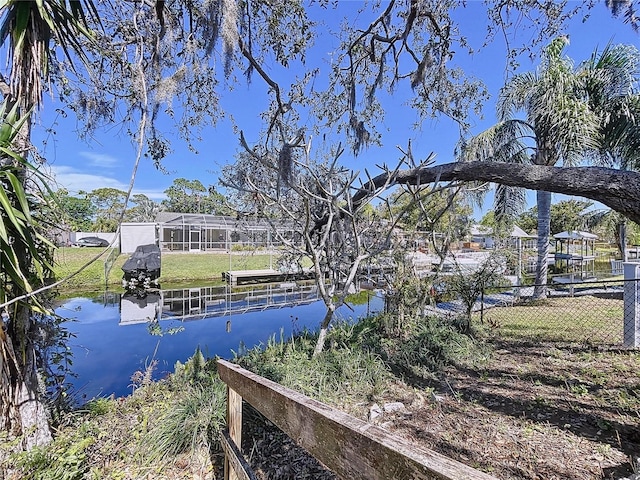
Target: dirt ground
[532,411]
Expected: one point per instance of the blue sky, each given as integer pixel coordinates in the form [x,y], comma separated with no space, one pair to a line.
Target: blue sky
[108,158]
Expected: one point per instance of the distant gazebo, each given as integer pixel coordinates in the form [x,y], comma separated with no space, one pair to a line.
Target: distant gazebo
[576,253]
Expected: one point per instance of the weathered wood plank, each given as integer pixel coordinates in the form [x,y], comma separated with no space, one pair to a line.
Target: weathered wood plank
[350,447]
[235,459]
[234,424]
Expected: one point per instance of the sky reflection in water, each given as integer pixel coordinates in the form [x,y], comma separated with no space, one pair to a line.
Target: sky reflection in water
[111,343]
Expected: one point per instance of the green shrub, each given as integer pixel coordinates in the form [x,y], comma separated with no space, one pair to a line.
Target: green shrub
[99,406]
[66,459]
[196,414]
[433,345]
[422,347]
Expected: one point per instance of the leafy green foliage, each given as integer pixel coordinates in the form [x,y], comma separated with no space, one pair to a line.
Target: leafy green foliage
[407,298]
[566,215]
[99,210]
[191,196]
[65,460]
[20,237]
[99,406]
[108,204]
[75,212]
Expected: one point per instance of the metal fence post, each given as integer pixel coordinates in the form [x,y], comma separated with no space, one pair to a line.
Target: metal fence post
[631,305]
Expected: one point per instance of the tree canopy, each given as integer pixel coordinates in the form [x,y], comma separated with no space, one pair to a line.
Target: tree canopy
[566,215]
[132,63]
[191,196]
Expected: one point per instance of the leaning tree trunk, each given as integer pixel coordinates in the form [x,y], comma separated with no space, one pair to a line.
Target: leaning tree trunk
[617,189]
[544,226]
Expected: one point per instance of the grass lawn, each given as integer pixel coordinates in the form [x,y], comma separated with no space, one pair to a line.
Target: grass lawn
[585,320]
[176,267]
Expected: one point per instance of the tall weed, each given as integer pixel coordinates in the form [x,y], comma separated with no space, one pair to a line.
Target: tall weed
[338,373]
[423,346]
[192,422]
[196,414]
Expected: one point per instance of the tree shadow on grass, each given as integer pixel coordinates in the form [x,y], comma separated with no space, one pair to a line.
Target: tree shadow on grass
[526,387]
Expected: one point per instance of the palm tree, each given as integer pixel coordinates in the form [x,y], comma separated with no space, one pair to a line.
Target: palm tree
[27,29]
[610,79]
[562,124]
[20,239]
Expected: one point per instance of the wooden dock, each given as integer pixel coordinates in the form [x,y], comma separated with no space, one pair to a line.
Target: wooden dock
[244,277]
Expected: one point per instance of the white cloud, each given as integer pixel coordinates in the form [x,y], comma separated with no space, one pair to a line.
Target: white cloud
[74,180]
[99,159]
[152,194]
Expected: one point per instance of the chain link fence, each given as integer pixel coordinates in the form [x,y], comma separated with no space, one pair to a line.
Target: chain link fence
[585,313]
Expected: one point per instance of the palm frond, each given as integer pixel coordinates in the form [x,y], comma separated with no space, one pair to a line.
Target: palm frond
[507,141]
[515,95]
[30,26]
[509,202]
[19,234]
[609,80]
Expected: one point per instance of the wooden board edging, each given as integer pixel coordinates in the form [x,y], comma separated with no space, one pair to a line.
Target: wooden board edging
[241,468]
[347,445]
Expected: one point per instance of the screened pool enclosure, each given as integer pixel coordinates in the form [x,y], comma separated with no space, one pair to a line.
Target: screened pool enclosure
[198,233]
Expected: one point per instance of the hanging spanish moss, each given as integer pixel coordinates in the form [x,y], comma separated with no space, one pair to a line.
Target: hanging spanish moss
[230,33]
[285,165]
[361,136]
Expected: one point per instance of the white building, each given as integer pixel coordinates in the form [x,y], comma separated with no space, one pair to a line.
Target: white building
[186,232]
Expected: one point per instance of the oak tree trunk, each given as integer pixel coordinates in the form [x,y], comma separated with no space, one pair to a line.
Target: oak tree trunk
[617,189]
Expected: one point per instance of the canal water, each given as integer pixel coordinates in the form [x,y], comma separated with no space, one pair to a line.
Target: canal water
[117,334]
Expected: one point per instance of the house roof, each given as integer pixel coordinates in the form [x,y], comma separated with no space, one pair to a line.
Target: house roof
[481,230]
[517,232]
[193,219]
[173,219]
[575,235]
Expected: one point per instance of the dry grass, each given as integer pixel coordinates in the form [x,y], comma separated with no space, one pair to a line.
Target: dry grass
[533,411]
